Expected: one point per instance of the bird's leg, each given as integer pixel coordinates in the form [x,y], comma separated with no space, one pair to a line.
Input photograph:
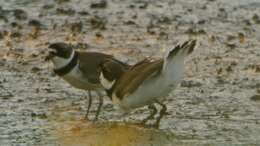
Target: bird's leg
[100,104]
[161,114]
[89,104]
[153,112]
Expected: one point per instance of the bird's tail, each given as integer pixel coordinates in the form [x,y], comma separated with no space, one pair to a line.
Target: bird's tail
[178,53]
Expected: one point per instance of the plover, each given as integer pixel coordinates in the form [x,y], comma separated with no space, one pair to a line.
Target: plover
[148,82]
[82,69]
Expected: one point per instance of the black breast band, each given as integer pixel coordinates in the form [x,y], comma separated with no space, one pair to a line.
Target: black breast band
[67,68]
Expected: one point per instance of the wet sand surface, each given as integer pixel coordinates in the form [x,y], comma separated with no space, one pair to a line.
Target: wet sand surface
[217,103]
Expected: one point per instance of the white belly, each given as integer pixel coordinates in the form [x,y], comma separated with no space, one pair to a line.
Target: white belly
[77,80]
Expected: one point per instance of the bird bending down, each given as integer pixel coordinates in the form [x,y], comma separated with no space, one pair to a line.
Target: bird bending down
[148,82]
[82,69]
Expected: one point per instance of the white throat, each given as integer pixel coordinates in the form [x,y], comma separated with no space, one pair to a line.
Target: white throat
[60,62]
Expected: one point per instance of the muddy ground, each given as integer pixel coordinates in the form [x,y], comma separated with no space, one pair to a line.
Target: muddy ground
[218,102]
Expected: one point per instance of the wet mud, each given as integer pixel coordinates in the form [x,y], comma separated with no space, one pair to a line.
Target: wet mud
[216,104]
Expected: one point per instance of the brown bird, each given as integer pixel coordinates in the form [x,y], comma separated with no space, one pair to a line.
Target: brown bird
[82,69]
[147,82]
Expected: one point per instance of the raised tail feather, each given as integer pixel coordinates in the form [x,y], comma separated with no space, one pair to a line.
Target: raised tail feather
[187,47]
[180,50]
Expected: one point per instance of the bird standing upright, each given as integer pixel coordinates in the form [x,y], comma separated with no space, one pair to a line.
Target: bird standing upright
[82,69]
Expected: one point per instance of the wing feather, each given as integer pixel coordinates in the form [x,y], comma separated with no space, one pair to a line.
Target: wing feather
[136,75]
[90,65]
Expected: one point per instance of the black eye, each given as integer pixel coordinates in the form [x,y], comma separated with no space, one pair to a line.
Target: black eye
[64,53]
[61,50]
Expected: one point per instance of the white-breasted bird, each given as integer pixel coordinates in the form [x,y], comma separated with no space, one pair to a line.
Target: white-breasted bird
[148,82]
[82,69]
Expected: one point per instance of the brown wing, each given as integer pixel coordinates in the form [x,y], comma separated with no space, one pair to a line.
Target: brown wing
[144,61]
[135,76]
[112,72]
[90,65]
[113,69]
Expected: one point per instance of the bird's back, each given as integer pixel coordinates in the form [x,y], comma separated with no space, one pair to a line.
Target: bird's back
[90,63]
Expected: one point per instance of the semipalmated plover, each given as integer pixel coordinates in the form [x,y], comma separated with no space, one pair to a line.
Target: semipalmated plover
[82,69]
[148,82]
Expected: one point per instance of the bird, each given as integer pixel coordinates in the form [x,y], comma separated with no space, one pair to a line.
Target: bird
[81,69]
[148,82]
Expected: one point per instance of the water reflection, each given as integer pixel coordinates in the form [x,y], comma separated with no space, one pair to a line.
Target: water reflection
[80,133]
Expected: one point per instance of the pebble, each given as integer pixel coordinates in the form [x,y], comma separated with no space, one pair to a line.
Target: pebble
[99,4]
[20,14]
[76,26]
[65,11]
[98,22]
[35,23]
[255,97]
[190,83]
[256,19]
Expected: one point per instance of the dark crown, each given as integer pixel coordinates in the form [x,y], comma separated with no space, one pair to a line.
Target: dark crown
[61,49]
